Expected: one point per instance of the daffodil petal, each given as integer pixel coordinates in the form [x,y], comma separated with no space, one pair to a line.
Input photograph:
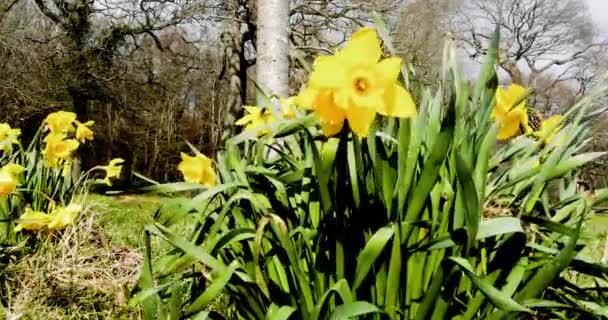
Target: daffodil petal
[306,98]
[509,127]
[397,103]
[330,115]
[388,70]
[372,101]
[360,119]
[328,72]
[363,47]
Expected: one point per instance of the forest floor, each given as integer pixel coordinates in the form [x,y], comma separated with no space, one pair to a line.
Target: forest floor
[88,271]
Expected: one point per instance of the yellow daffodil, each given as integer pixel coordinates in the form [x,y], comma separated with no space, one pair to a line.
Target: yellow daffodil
[33,220]
[8,137]
[62,217]
[60,121]
[83,133]
[512,119]
[288,108]
[256,117]
[549,128]
[8,178]
[58,148]
[13,169]
[197,169]
[112,170]
[8,183]
[354,85]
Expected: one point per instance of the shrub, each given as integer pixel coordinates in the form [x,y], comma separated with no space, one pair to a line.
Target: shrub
[413,217]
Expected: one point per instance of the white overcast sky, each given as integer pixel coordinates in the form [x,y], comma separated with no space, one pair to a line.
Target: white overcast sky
[599,11]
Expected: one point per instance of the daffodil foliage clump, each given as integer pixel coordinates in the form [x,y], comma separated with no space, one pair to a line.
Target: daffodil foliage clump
[380,201]
[37,183]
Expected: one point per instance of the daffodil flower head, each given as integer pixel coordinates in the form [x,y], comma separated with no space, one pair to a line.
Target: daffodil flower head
[83,132]
[510,111]
[58,148]
[549,128]
[256,117]
[33,220]
[62,217]
[288,108]
[359,83]
[112,170]
[60,121]
[197,169]
[13,169]
[9,178]
[8,183]
[8,137]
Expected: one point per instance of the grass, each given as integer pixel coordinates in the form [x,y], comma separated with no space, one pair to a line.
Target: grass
[123,218]
[87,271]
[595,236]
[596,232]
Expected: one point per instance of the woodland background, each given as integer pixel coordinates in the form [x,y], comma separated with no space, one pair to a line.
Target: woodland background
[152,74]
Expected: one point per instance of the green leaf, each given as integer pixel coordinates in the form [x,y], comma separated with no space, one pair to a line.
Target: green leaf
[370,253]
[341,288]
[470,197]
[572,163]
[219,281]
[394,276]
[146,282]
[541,279]
[203,315]
[146,294]
[515,277]
[428,177]
[487,229]
[353,172]
[279,313]
[197,252]
[354,309]
[498,298]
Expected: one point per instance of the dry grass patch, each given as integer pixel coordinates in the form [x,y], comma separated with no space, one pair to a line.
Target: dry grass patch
[79,274]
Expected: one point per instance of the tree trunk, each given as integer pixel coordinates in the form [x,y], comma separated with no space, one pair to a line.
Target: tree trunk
[272,70]
[513,71]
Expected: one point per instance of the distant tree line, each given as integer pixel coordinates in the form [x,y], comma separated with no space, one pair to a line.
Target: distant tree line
[150,73]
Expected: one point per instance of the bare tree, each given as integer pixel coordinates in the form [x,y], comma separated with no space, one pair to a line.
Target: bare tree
[538,36]
[418,31]
[90,45]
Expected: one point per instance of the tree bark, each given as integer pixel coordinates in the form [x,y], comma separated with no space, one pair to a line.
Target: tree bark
[272,66]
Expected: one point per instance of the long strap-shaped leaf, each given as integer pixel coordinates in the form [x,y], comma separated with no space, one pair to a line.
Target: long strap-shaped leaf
[498,298]
[370,253]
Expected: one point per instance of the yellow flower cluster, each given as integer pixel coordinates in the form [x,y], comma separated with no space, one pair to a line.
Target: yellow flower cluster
[112,170]
[511,114]
[57,219]
[8,137]
[256,117]
[9,175]
[59,146]
[355,84]
[549,128]
[197,169]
